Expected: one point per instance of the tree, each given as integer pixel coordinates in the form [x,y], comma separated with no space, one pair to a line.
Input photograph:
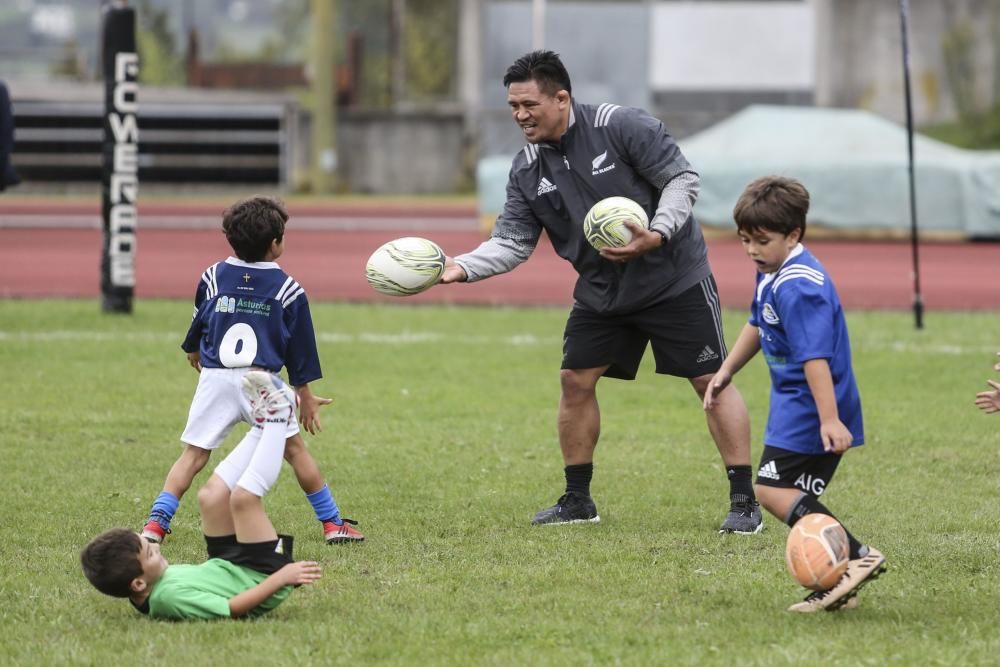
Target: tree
[160,62]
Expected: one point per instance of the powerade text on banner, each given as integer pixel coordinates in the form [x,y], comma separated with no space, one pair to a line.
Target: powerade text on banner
[120,167]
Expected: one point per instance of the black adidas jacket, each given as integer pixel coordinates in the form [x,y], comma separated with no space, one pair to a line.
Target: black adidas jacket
[607,151]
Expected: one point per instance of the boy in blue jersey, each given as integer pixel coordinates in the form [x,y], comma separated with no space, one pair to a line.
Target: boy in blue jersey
[248,313]
[815,411]
[250,569]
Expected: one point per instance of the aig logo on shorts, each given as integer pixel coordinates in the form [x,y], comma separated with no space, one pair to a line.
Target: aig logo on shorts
[810,484]
[769,315]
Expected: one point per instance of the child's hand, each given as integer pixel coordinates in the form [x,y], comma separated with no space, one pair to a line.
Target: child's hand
[300,572]
[836,438]
[718,382]
[309,412]
[989,401]
[194,358]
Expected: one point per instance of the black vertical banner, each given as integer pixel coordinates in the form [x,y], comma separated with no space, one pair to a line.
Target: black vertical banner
[120,166]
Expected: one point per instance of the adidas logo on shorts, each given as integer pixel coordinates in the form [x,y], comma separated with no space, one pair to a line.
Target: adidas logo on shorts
[707,355]
[769,471]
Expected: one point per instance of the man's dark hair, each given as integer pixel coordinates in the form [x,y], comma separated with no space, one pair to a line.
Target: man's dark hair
[774,204]
[544,68]
[251,224]
[111,561]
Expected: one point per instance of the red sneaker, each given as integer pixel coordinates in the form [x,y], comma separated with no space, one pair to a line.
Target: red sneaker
[154,532]
[338,533]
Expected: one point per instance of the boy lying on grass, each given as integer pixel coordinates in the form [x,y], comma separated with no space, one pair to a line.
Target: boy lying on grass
[249,570]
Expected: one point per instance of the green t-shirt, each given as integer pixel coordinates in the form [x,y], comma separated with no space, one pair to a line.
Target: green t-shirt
[203,591]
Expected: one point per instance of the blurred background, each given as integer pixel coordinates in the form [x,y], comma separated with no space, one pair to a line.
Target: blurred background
[404,97]
[418,81]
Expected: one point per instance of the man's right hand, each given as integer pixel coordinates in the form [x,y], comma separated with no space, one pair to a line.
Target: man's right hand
[453,273]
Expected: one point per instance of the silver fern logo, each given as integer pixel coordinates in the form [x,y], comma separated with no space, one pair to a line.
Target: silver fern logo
[597,162]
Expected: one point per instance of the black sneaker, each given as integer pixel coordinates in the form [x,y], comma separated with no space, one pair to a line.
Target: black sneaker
[571,508]
[743,519]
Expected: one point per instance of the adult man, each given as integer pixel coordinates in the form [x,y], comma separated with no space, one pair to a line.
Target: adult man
[659,288]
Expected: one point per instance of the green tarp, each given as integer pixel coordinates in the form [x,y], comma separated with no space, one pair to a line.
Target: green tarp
[854,164]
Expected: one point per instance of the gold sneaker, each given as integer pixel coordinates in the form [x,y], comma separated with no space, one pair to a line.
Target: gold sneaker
[859,572]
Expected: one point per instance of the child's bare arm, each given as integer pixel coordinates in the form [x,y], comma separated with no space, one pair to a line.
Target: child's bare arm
[836,437]
[299,572]
[747,345]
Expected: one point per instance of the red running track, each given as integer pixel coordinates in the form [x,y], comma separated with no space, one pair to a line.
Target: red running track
[330,264]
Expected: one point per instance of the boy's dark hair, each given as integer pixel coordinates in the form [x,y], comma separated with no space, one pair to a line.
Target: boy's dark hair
[111,561]
[251,224]
[544,68]
[774,204]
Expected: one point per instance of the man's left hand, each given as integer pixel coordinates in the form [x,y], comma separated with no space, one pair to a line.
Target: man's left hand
[643,240]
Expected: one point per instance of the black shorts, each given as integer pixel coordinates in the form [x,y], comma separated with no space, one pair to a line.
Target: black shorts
[685,332]
[259,556]
[810,473]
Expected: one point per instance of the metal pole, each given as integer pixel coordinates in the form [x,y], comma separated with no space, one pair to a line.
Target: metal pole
[397,51]
[537,24]
[470,66]
[324,117]
[918,304]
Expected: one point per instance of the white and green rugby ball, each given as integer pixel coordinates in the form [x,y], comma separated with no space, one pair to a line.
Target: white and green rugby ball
[405,266]
[605,227]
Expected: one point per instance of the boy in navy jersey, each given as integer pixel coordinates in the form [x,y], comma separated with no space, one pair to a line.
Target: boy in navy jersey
[815,410]
[248,313]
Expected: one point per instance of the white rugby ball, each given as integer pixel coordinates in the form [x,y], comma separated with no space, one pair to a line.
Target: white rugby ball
[604,225]
[405,266]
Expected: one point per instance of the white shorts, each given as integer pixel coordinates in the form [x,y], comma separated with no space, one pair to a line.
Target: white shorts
[219,405]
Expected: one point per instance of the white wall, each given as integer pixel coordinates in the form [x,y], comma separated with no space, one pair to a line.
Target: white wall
[860,55]
[732,46]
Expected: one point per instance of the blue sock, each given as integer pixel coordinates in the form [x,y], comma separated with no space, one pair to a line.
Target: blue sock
[324,505]
[164,508]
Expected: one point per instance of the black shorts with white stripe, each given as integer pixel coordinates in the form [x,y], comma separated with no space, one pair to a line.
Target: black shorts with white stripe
[685,333]
[810,473]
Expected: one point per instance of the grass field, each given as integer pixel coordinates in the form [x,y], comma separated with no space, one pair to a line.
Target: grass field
[441,440]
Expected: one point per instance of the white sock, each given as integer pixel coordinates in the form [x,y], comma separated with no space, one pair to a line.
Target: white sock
[231,468]
[262,471]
